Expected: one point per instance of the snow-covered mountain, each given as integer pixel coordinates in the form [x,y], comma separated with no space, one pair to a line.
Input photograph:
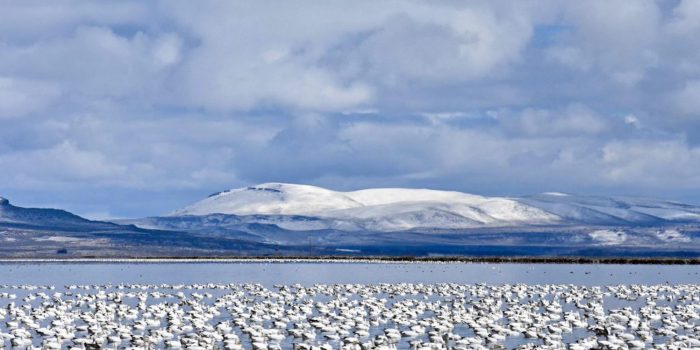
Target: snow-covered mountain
[385,209]
[612,210]
[397,209]
[282,219]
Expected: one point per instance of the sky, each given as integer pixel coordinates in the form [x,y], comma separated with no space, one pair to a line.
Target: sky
[135,108]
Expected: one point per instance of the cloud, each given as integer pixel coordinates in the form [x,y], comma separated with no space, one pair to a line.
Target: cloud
[618,37]
[19,97]
[417,154]
[575,120]
[31,21]
[166,101]
[687,99]
[465,45]
[651,163]
[62,162]
[685,19]
[260,60]
[95,62]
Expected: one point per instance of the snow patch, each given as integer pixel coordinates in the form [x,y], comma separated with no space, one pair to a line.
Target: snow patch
[608,237]
[672,235]
[348,250]
[555,194]
[58,239]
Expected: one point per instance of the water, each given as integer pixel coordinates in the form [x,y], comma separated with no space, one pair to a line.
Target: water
[249,296]
[308,273]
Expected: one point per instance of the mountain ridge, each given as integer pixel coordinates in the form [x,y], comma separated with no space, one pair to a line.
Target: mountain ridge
[376,222]
[37,216]
[395,209]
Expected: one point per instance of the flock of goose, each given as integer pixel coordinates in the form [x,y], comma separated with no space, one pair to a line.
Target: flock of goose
[349,317]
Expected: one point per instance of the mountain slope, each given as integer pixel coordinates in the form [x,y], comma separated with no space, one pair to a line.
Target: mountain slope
[271,199]
[54,233]
[376,209]
[397,209]
[10,214]
[612,210]
[267,220]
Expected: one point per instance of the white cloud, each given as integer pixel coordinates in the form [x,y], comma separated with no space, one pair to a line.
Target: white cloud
[27,21]
[687,100]
[632,120]
[620,37]
[651,163]
[573,57]
[496,96]
[490,41]
[686,18]
[259,60]
[95,61]
[574,120]
[62,162]
[19,97]
[454,45]
[167,50]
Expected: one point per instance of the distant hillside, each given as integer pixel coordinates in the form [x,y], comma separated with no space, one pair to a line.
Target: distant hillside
[297,220]
[397,209]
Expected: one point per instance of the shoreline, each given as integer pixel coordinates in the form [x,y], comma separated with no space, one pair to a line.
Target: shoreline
[368,260]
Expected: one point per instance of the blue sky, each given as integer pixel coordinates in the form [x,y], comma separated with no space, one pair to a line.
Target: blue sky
[135,108]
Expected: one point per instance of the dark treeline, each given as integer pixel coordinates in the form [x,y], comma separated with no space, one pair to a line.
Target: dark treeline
[440,259]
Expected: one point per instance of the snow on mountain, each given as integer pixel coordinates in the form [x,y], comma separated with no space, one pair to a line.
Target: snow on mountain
[478,209]
[296,219]
[612,210]
[385,209]
[397,209]
[271,199]
[608,237]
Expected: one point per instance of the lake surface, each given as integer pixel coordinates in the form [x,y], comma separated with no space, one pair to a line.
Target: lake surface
[340,305]
[308,273]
